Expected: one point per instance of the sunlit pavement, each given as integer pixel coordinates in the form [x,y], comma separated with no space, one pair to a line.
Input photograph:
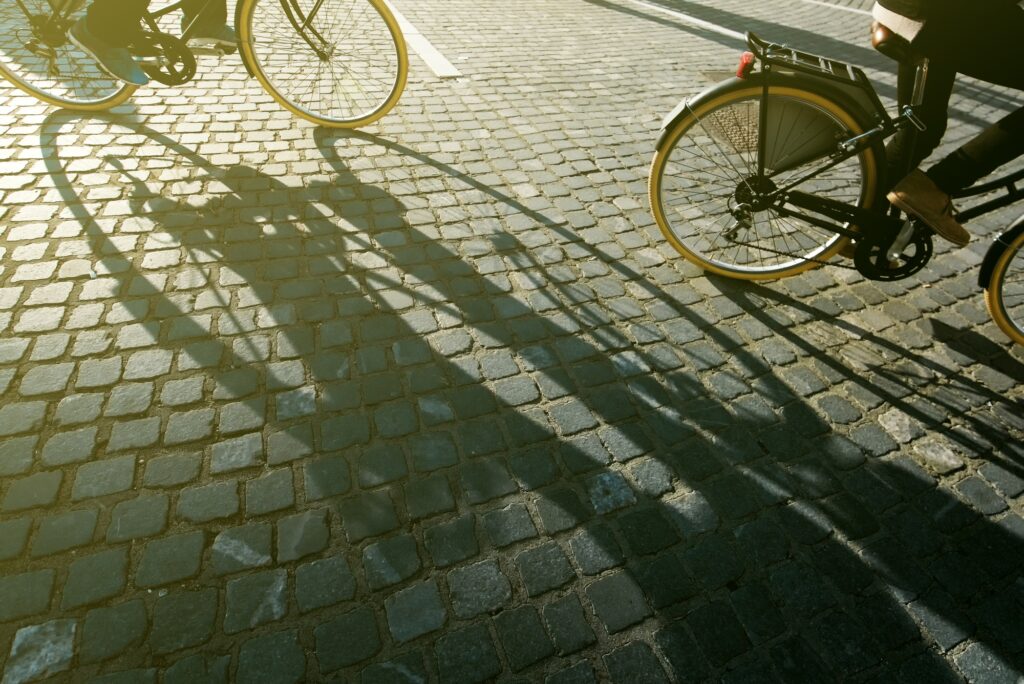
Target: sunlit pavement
[434,401]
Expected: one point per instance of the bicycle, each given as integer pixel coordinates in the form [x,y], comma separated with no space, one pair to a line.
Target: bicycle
[772,172]
[337,63]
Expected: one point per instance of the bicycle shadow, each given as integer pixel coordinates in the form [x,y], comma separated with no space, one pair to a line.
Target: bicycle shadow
[749,508]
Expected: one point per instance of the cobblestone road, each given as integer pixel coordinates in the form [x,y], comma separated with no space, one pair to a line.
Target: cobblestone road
[435,402]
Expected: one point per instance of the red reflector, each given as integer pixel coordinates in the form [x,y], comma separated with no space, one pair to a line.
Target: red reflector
[746,64]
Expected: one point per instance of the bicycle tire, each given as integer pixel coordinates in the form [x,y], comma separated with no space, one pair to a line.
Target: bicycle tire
[1004,294]
[722,118]
[362,76]
[64,76]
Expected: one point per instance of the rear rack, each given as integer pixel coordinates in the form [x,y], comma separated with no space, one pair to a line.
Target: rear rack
[848,77]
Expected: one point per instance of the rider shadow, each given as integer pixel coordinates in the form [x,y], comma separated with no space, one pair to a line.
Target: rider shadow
[756,512]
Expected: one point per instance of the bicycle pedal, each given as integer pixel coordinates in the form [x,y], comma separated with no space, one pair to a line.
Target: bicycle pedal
[210,49]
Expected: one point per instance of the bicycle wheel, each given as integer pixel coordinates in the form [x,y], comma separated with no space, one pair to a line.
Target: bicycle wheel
[707,164]
[343,66]
[36,57]
[1004,295]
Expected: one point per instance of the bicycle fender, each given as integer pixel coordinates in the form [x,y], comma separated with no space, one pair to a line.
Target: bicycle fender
[776,79]
[999,245]
[684,105]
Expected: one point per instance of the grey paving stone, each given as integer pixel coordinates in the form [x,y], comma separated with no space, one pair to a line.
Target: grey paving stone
[486,479]
[533,469]
[25,594]
[241,548]
[129,398]
[26,416]
[272,658]
[134,434]
[64,531]
[236,453]
[142,516]
[326,477]
[714,562]
[560,509]
[580,673]
[368,515]
[407,667]
[681,652]
[467,655]
[181,392]
[243,416]
[692,514]
[390,561]
[109,632]
[189,426]
[381,464]
[618,601]
[208,502]
[298,402]
[182,619]
[32,491]
[348,639]
[323,583]
[255,600]
[95,577]
[595,549]
[274,491]
[199,668]
[344,431]
[664,580]
[170,559]
[100,478]
[432,450]
[718,631]
[41,650]
[477,589]
[981,496]
[415,611]
[302,534]
[13,537]
[395,420]
[72,446]
[522,637]
[647,531]
[509,525]
[16,455]
[567,624]
[292,443]
[544,568]
[426,497]
[634,662]
[452,541]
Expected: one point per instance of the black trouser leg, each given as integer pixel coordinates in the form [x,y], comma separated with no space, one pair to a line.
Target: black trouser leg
[984,45]
[909,147]
[116,21]
[208,15]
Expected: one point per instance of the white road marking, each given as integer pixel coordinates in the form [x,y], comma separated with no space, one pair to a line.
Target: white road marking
[838,7]
[692,21]
[437,62]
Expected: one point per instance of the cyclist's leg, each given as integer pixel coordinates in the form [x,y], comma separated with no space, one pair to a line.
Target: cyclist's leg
[984,46]
[900,158]
[106,31]
[210,19]
[115,21]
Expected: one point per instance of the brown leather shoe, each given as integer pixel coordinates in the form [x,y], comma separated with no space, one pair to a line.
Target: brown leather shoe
[917,194]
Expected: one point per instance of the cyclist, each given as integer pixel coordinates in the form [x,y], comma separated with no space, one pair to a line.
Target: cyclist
[110,26]
[980,39]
